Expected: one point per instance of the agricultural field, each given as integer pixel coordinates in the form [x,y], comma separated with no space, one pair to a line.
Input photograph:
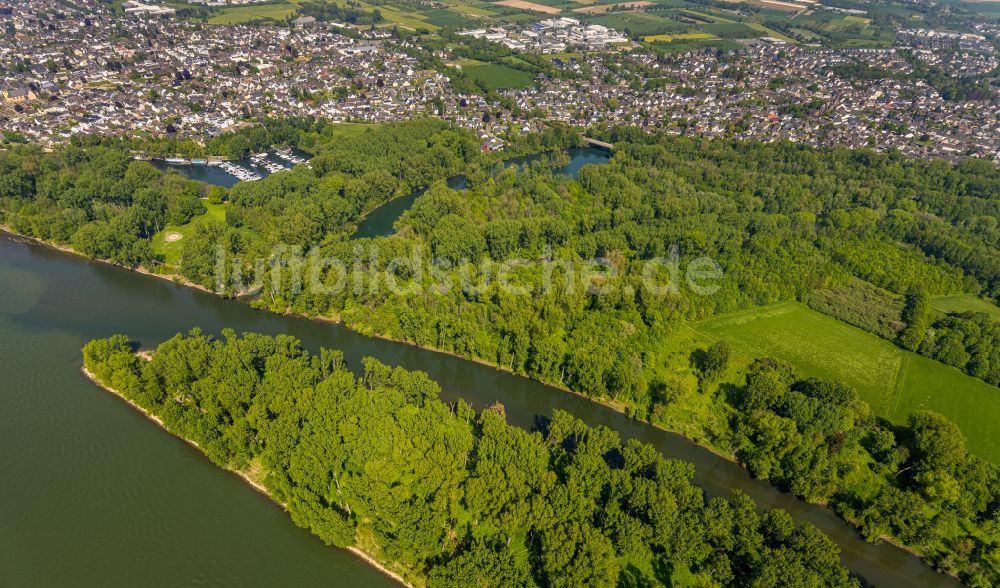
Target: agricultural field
[893,381]
[640,24]
[965,303]
[443,17]
[470,8]
[170,241]
[835,29]
[532,6]
[602,8]
[678,36]
[770,32]
[407,18]
[238,14]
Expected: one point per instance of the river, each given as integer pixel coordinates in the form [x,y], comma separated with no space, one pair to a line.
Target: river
[94,494]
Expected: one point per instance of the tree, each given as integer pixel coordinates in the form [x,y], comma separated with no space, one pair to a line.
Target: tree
[715,360]
[915,315]
[938,443]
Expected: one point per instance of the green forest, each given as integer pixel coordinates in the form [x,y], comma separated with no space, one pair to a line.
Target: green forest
[446,496]
[865,237]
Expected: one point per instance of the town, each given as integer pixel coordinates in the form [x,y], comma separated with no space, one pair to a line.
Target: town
[80,67]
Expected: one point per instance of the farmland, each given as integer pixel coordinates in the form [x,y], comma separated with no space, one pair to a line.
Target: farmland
[638,24]
[893,381]
[679,36]
[672,24]
[238,14]
[533,6]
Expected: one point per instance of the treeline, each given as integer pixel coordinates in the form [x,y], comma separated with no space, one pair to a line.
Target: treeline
[97,200]
[916,483]
[969,341]
[447,496]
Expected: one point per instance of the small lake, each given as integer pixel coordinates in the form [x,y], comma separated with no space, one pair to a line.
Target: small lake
[379,222]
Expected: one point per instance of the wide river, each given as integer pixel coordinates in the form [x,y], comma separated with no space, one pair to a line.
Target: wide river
[94,494]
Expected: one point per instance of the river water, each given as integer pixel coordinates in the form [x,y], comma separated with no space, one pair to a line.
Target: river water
[93,494]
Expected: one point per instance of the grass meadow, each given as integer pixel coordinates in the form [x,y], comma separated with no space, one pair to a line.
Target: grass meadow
[171,249]
[965,303]
[893,381]
[495,75]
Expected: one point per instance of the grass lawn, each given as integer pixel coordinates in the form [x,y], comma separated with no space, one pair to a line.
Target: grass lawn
[166,244]
[893,381]
[238,14]
[499,76]
[349,129]
[965,303]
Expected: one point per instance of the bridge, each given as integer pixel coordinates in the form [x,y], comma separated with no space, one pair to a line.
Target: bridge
[600,144]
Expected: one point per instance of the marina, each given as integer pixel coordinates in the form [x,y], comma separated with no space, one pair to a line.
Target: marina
[227,173]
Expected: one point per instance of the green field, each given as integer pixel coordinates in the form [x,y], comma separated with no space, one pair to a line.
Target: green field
[345,130]
[640,24]
[171,251]
[443,17]
[238,14]
[893,381]
[470,8]
[495,76]
[965,303]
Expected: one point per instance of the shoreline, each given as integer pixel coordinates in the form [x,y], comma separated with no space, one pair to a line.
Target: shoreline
[338,320]
[172,278]
[356,551]
[730,457]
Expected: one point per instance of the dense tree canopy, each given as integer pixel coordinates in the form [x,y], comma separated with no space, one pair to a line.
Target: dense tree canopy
[448,495]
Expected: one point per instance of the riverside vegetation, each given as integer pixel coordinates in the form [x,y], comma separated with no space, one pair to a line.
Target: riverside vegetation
[783,222]
[447,497]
